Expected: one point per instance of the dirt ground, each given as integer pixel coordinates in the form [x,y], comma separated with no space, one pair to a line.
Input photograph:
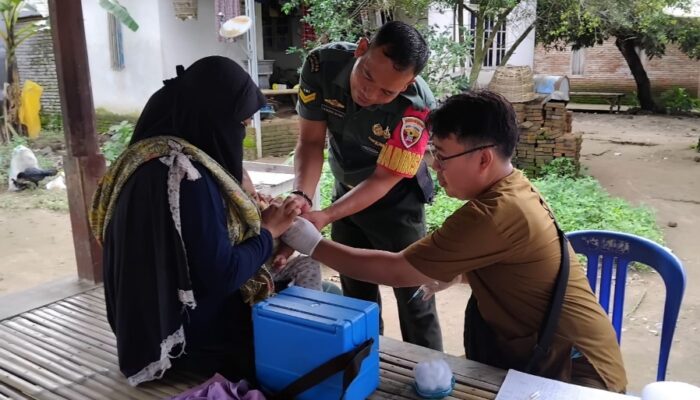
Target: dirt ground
[644,159]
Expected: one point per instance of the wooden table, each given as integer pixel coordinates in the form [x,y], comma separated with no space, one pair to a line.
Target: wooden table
[66,350]
[281,92]
[270,179]
[475,381]
[614,99]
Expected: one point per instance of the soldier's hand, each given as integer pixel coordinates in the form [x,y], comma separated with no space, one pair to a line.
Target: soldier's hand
[319,218]
[305,206]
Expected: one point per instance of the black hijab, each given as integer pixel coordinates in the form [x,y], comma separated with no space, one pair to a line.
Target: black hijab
[145,265]
[205,105]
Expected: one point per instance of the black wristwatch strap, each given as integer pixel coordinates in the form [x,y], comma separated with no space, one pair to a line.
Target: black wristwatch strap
[305,196]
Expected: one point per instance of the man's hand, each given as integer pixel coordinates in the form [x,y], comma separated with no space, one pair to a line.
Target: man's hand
[429,289]
[305,206]
[319,218]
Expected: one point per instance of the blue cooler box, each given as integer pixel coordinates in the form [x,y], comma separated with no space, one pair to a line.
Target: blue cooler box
[300,329]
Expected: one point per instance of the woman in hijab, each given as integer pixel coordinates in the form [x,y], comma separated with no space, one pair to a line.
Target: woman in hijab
[183,244]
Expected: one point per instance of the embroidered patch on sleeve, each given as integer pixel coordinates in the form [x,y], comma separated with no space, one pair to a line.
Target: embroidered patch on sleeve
[403,152]
[306,95]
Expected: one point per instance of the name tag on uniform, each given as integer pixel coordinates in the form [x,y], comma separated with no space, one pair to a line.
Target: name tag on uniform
[332,110]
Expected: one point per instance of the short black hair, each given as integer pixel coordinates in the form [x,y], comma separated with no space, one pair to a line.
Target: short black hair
[478,117]
[402,44]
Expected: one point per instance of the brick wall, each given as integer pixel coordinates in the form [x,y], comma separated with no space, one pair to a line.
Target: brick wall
[606,70]
[279,137]
[35,61]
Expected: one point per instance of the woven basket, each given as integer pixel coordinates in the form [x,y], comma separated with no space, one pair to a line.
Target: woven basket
[185,9]
[515,83]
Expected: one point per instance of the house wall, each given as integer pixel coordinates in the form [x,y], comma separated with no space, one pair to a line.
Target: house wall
[35,61]
[126,90]
[605,70]
[518,20]
[152,52]
[184,42]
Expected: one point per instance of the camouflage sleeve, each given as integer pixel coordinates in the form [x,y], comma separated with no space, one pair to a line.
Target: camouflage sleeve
[403,152]
[310,96]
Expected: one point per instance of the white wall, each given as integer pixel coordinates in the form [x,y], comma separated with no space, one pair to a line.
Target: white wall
[518,20]
[152,52]
[441,17]
[184,42]
[127,90]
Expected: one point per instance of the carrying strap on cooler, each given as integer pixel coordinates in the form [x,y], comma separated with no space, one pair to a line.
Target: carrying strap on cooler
[349,362]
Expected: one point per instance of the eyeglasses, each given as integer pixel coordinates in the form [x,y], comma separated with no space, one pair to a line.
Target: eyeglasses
[440,160]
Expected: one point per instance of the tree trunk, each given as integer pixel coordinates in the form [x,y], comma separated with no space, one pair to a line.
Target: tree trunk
[629,52]
[482,46]
[12,92]
[12,97]
[515,45]
[479,51]
[458,26]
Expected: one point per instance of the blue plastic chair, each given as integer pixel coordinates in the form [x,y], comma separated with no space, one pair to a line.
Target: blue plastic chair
[613,251]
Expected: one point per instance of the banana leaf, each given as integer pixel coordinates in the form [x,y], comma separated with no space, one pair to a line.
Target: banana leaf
[120,12]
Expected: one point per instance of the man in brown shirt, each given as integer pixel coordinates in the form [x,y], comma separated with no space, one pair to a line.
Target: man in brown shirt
[503,242]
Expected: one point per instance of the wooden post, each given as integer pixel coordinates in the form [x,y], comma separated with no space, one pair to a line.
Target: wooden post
[83,163]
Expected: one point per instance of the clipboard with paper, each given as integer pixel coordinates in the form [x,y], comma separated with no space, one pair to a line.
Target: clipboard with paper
[522,386]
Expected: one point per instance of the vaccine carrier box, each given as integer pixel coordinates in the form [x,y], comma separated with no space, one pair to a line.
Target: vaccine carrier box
[300,329]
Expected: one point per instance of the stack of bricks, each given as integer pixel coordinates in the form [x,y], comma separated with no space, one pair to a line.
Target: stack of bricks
[545,134]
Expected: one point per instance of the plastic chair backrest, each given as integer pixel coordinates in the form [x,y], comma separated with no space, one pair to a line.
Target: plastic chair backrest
[612,252]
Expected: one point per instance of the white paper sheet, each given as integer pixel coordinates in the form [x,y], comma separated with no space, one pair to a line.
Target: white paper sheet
[269,178]
[521,386]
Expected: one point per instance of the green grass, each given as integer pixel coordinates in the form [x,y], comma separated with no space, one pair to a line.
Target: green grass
[104,119]
[442,207]
[583,204]
[578,203]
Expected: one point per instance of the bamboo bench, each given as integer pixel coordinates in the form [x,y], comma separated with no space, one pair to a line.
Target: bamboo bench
[66,350]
